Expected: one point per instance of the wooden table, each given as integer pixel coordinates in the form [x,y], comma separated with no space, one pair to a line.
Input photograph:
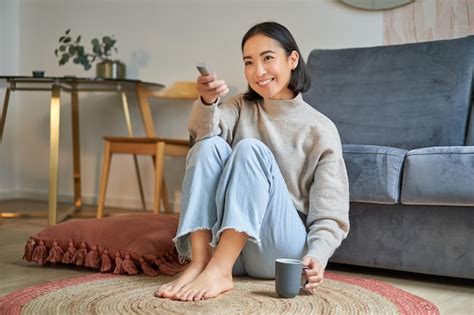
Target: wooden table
[73,85]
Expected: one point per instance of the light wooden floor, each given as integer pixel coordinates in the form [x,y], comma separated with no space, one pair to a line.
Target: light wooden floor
[451,296]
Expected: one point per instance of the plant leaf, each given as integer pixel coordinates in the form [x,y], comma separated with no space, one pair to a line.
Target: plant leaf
[67,40]
[62,48]
[64,59]
[67,32]
[107,40]
[78,39]
[107,50]
[61,38]
[56,52]
[97,50]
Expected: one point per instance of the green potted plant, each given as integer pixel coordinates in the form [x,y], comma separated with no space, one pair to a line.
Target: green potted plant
[70,49]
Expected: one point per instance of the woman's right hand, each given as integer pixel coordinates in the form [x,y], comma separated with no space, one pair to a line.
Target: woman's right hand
[210,88]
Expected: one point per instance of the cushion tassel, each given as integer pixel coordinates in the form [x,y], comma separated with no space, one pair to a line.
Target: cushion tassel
[92,259]
[128,266]
[118,264]
[147,269]
[67,258]
[80,255]
[29,247]
[55,253]
[105,262]
[40,254]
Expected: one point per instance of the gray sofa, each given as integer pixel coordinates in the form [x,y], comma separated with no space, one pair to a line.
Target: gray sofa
[406,119]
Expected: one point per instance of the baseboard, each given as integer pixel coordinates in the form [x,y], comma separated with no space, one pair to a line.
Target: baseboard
[112,201]
[9,194]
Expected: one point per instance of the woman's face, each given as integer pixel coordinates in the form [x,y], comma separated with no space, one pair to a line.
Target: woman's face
[268,68]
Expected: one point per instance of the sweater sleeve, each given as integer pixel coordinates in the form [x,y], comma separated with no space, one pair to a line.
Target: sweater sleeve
[328,215]
[218,119]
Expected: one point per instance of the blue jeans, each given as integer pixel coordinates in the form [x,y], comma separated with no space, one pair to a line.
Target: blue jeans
[240,189]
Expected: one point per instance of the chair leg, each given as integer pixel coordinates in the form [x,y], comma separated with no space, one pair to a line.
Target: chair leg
[160,154]
[140,185]
[104,177]
[164,196]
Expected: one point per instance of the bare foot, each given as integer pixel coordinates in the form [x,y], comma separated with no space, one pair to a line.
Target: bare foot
[209,284]
[168,290]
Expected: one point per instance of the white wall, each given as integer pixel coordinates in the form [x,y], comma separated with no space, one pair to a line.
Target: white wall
[160,41]
[9,64]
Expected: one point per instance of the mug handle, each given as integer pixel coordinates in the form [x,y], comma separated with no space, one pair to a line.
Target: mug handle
[306,282]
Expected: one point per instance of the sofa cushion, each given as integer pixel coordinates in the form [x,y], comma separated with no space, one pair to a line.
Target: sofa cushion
[439,176]
[374,173]
[405,96]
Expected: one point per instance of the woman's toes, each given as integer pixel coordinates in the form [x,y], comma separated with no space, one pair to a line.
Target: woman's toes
[179,293]
[190,296]
[168,292]
[184,296]
[199,296]
[161,290]
[173,291]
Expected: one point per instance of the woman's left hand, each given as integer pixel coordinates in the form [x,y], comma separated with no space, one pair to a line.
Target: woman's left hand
[314,273]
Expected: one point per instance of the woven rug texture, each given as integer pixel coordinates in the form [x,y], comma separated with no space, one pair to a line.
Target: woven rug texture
[111,294]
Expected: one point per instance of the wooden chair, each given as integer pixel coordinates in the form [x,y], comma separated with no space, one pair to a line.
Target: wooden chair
[158,148]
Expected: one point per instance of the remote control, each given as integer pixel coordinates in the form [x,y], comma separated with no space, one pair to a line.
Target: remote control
[204,68]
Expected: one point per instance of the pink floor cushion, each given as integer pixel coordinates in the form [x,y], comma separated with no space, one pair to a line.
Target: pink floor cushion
[125,244]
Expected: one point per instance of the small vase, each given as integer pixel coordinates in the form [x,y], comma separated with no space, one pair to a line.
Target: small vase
[110,69]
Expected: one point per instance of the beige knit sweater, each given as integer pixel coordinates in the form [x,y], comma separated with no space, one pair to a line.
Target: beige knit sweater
[307,148]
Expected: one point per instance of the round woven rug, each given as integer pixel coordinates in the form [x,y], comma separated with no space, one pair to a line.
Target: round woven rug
[109,294]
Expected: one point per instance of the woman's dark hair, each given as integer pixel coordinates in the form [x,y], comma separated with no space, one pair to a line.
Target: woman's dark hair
[300,80]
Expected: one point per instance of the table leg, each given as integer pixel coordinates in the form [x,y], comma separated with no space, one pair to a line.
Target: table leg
[76,150]
[126,111]
[145,110]
[54,155]
[4,112]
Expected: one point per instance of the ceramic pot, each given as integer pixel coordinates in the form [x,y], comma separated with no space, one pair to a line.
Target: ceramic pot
[110,69]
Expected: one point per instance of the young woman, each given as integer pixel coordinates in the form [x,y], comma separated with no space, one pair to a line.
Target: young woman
[265,179]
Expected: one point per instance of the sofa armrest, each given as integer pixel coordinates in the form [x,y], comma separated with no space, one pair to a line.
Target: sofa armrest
[374,172]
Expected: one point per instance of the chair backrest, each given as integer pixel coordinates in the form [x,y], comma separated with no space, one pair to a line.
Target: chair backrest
[180,90]
[406,96]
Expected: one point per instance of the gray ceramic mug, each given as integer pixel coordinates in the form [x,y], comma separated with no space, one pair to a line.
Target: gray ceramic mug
[288,277]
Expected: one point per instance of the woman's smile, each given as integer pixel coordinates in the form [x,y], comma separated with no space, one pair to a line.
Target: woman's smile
[265,82]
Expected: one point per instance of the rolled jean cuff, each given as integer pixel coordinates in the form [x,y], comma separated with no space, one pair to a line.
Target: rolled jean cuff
[183,243]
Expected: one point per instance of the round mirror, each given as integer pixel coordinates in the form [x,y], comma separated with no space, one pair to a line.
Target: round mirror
[376,4]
